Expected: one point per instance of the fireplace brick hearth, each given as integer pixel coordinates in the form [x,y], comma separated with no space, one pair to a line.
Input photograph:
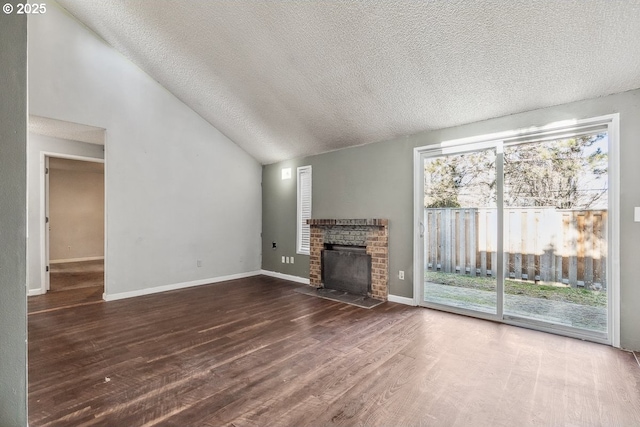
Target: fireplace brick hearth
[371,233]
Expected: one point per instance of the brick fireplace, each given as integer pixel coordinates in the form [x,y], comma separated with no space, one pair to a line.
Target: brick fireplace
[373,234]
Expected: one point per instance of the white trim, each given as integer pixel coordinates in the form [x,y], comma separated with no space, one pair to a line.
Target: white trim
[71,157]
[418,225]
[556,130]
[175,286]
[105,150]
[34,292]
[401,300]
[44,274]
[500,228]
[89,258]
[47,235]
[613,134]
[283,276]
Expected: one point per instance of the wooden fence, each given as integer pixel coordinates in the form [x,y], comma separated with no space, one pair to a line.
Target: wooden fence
[548,244]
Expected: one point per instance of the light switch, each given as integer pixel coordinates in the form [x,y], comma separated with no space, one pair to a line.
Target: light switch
[636,216]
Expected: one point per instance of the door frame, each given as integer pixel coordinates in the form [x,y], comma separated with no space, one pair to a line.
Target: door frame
[552,131]
[44,211]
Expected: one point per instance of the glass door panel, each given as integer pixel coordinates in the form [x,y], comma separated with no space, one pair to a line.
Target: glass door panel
[555,232]
[461,231]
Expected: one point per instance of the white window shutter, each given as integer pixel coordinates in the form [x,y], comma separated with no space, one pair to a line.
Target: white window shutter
[304,210]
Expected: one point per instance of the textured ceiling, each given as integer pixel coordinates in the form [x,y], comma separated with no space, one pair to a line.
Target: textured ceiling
[66,130]
[285,79]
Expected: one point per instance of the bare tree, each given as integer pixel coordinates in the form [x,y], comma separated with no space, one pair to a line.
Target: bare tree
[460,180]
[566,174]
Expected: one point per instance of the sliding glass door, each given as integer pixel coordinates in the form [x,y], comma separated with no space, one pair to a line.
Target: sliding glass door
[461,231]
[517,231]
[555,231]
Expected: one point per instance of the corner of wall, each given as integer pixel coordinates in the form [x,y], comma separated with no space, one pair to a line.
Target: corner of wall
[13,190]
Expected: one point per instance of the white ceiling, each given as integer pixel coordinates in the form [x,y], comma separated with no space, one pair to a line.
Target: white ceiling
[285,79]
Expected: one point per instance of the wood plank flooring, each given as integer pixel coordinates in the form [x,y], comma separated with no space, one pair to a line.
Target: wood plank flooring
[65,299]
[71,284]
[253,352]
[73,275]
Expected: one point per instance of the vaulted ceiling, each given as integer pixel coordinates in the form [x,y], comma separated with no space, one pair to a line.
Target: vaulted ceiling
[285,79]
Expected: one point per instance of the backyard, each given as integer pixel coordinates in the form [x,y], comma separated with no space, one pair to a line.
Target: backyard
[548,291]
[550,302]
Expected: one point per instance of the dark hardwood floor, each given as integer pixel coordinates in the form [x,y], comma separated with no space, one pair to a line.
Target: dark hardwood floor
[253,352]
[71,284]
[65,299]
[74,275]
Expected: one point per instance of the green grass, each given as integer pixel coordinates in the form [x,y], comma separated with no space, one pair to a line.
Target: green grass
[514,287]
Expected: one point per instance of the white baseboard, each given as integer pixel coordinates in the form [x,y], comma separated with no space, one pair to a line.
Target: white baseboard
[33,292]
[283,276]
[89,258]
[400,300]
[165,288]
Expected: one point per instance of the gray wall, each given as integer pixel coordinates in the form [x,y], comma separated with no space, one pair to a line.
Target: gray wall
[376,181]
[13,190]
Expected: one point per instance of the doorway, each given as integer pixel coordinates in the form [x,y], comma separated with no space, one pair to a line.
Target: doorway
[520,228]
[74,229]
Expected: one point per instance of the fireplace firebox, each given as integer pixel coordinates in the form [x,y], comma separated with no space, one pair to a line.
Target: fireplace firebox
[346,268]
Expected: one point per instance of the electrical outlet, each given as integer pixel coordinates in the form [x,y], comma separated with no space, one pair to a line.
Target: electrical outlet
[636,215]
[283,260]
[291,260]
[287,260]
[199,263]
[401,275]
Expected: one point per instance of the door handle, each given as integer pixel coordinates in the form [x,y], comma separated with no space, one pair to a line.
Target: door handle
[421,229]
